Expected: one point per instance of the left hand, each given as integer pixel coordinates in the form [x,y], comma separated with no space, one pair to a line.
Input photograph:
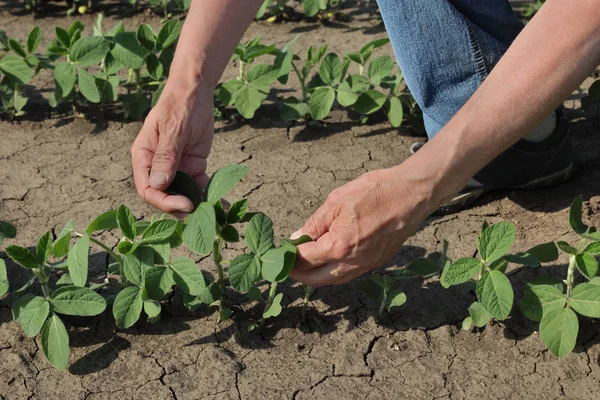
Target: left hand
[361,226]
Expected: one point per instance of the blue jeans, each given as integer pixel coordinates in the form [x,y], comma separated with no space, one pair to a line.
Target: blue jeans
[446,48]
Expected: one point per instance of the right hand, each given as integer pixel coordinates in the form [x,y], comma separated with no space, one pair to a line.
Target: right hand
[177,135]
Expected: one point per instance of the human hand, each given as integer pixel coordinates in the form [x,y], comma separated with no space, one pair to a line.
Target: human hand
[361,226]
[177,135]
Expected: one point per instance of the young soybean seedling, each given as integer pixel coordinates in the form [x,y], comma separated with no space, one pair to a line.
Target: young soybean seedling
[384,289]
[67,297]
[7,231]
[546,299]
[493,289]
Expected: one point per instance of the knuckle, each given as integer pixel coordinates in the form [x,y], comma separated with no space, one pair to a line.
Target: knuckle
[311,227]
[165,157]
[341,250]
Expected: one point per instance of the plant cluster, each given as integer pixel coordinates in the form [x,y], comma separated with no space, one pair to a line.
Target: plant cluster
[83,6]
[277,10]
[142,271]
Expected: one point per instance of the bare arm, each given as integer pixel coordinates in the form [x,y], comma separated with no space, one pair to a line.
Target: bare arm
[363,224]
[177,134]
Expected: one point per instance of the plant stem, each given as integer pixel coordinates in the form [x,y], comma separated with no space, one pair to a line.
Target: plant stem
[242,68]
[272,293]
[113,255]
[361,69]
[382,306]
[217,247]
[129,81]
[302,80]
[570,275]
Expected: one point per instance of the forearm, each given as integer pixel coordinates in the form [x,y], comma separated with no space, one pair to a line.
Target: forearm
[212,30]
[548,60]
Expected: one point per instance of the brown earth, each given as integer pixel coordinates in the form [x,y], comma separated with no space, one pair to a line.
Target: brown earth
[62,168]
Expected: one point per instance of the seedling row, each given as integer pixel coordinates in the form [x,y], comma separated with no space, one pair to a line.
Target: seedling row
[142,272]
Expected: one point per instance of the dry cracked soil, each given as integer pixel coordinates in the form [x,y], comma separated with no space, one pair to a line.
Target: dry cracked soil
[57,168]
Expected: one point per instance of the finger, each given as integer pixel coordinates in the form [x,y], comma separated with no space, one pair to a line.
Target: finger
[167,203]
[329,274]
[317,224]
[141,158]
[165,161]
[315,254]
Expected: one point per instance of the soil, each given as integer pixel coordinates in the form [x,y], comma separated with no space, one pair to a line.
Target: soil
[60,168]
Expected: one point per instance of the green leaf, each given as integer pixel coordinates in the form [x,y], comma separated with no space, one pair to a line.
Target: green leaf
[395,112]
[159,231]
[461,271]
[75,26]
[371,289]
[275,308]
[224,180]
[263,74]
[293,109]
[479,316]
[259,234]
[158,282]
[162,252]
[17,48]
[374,45]
[128,306]
[126,247]
[351,88]
[88,87]
[77,261]
[55,342]
[7,231]
[330,70]
[277,263]
[22,256]
[61,244]
[152,308]
[356,57]
[126,222]
[369,102]
[575,212]
[539,300]
[587,264]
[301,240]
[312,7]
[4,285]
[16,69]
[210,294]
[525,259]
[467,324]
[545,252]
[168,35]
[378,68]
[128,51]
[547,280]
[558,331]
[396,298]
[227,90]
[496,240]
[585,299]
[146,37]
[115,30]
[423,267]
[237,211]
[566,247]
[592,249]
[200,229]
[185,185]
[155,68]
[188,276]
[104,221]
[284,60]
[64,79]
[73,300]
[248,99]
[244,272]
[63,37]
[230,234]
[495,294]
[31,312]
[89,51]
[33,39]
[44,246]
[321,102]
[137,264]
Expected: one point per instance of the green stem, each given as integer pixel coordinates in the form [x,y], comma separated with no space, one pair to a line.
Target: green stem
[302,80]
[40,273]
[570,275]
[361,69]
[242,68]
[113,255]
[382,306]
[217,247]
[129,81]
[272,293]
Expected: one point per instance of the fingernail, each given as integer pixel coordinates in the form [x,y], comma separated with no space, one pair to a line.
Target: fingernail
[296,234]
[158,180]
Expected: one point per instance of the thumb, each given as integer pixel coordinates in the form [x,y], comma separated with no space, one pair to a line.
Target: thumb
[318,224]
[165,161]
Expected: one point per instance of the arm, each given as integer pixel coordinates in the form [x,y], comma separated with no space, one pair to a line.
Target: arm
[177,134]
[363,224]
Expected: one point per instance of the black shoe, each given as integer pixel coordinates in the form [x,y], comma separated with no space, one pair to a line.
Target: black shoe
[526,165]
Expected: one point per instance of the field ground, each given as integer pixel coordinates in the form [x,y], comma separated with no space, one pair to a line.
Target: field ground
[60,168]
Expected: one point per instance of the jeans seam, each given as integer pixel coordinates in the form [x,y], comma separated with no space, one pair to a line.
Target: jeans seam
[480,67]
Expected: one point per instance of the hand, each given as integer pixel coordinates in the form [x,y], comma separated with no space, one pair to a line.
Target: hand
[177,135]
[361,226]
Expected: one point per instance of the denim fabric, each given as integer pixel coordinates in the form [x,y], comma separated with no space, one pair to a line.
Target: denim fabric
[446,48]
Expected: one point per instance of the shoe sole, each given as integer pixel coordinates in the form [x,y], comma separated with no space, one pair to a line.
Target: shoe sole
[464,200]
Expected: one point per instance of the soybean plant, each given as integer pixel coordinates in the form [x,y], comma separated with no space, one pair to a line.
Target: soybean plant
[7,231]
[556,304]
